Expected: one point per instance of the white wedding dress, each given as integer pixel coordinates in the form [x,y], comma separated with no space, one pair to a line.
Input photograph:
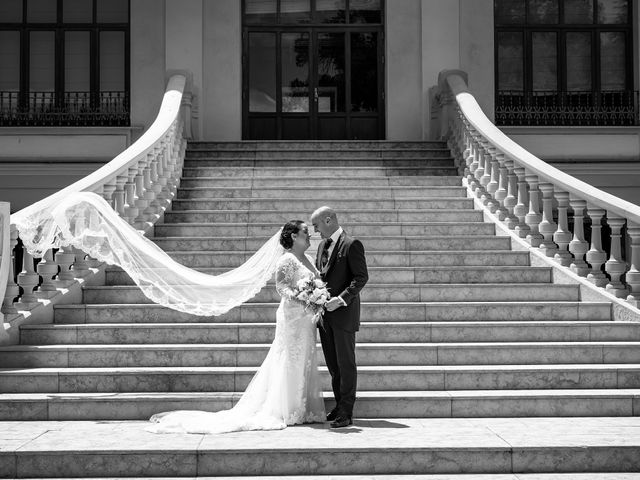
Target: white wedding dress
[286,388]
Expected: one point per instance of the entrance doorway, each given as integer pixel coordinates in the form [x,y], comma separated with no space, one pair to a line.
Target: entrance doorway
[313,70]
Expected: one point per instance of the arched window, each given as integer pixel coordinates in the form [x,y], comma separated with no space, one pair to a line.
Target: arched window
[64,62]
[564,62]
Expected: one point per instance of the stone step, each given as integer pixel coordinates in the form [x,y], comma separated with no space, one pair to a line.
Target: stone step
[462,476]
[375,258]
[443,160]
[333,145]
[376,446]
[401,331]
[347,216]
[347,192]
[397,243]
[428,275]
[310,181]
[368,354]
[381,293]
[370,312]
[376,378]
[335,156]
[358,230]
[418,404]
[206,203]
[312,171]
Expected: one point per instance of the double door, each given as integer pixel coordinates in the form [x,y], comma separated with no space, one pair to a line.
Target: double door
[313,83]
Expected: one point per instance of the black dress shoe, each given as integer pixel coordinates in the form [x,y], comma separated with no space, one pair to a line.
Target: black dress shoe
[332,415]
[341,421]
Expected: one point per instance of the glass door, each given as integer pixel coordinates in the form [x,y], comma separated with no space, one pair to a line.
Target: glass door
[313,72]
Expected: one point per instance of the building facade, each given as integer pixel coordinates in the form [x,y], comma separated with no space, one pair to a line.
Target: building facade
[81,79]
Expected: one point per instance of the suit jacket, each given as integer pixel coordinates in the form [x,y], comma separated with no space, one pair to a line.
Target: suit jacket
[345,275]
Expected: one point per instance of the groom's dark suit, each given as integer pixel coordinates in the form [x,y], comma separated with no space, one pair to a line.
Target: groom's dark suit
[345,275]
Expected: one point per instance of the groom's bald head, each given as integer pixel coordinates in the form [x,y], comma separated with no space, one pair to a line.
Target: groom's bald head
[325,221]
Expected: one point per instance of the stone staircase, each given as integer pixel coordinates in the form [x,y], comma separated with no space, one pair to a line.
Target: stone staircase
[456,324]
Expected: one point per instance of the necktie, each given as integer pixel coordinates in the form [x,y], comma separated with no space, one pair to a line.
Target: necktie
[324,258]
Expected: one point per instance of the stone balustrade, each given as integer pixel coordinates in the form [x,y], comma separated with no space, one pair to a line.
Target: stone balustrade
[139,184]
[540,203]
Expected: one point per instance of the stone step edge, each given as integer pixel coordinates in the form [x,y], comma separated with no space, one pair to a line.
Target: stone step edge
[351,211]
[328,177]
[403,369]
[361,395]
[453,476]
[398,304]
[370,252]
[360,237]
[399,285]
[362,345]
[390,324]
[515,268]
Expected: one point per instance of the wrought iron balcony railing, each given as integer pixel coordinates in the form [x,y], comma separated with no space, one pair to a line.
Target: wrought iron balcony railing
[607,108]
[68,109]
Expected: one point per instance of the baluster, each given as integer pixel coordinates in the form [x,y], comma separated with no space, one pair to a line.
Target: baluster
[533,217]
[510,200]
[130,209]
[547,226]
[65,258]
[633,275]
[596,256]
[616,266]
[119,195]
[475,163]
[141,202]
[489,152]
[479,173]
[107,193]
[156,187]
[578,245]
[469,151]
[562,237]
[13,291]
[492,186]
[503,184]
[161,196]
[149,194]
[47,269]
[28,279]
[521,208]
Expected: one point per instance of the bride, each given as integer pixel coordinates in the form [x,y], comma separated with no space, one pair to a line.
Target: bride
[286,388]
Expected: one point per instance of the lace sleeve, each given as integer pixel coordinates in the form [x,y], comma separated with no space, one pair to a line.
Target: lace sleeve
[285,271]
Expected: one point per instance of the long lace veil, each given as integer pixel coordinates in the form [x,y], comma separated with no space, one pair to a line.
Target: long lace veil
[86,221]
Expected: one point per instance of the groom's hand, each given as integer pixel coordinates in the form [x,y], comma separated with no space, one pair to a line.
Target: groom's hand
[333,304]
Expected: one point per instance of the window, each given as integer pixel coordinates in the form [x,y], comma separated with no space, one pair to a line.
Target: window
[64,62]
[564,62]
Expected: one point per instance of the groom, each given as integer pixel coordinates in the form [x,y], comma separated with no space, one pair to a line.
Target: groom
[343,267]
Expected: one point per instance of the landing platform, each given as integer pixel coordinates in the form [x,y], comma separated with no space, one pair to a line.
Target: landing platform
[369,447]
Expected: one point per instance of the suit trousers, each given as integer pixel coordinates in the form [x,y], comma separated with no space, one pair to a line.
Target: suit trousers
[339,347]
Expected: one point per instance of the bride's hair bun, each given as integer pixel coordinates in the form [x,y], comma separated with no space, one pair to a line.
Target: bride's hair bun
[291,227]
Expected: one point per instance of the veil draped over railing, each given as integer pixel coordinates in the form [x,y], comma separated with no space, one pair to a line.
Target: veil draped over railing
[103,217]
[86,221]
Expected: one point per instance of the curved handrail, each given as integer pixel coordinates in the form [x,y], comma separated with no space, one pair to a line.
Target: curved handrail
[485,127]
[139,184]
[511,183]
[119,166]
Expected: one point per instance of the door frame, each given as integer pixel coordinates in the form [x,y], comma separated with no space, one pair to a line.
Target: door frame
[313,114]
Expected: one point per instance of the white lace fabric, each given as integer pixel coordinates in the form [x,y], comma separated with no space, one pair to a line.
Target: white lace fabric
[86,221]
[286,388]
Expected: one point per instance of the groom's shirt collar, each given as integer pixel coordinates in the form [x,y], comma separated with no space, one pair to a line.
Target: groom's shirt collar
[334,239]
[335,236]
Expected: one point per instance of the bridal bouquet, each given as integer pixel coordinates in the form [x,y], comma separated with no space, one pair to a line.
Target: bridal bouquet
[313,294]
